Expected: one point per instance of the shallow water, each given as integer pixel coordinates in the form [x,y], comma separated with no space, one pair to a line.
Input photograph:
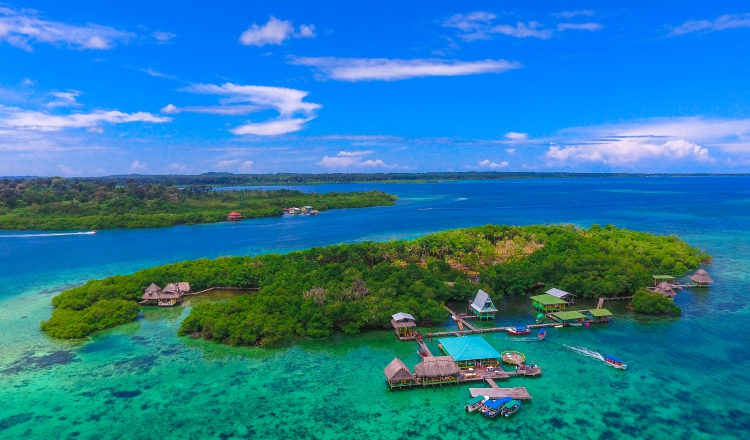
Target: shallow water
[685,377]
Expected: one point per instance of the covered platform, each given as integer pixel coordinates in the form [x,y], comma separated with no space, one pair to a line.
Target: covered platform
[437,370]
[470,351]
[548,303]
[403,323]
[567,318]
[597,315]
[701,278]
[398,375]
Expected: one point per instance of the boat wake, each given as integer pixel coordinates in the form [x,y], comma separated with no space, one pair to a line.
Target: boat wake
[461,199]
[58,234]
[585,352]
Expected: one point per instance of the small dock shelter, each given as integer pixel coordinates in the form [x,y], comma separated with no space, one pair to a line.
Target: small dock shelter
[548,303]
[597,315]
[567,318]
[662,279]
[403,323]
[469,351]
[437,370]
[701,278]
[398,375]
[482,306]
[561,294]
[665,289]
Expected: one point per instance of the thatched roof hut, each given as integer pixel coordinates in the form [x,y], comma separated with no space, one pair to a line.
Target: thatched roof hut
[152,293]
[397,371]
[701,277]
[437,366]
[665,289]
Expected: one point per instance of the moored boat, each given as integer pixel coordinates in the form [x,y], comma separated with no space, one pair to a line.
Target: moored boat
[493,408]
[521,330]
[542,333]
[475,403]
[614,362]
[509,408]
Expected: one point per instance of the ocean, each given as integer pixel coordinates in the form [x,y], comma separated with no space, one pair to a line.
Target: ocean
[686,377]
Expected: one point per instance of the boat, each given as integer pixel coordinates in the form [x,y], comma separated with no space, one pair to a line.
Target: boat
[615,362]
[514,357]
[575,324]
[475,403]
[542,333]
[539,318]
[493,408]
[559,326]
[521,330]
[509,408]
[422,352]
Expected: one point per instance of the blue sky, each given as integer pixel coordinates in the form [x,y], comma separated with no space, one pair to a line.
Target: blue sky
[98,88]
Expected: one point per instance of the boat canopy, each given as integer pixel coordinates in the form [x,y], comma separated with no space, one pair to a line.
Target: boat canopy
[520,328]
[612,358]
[475,400]
[512,403]
[542,330]
[496,404]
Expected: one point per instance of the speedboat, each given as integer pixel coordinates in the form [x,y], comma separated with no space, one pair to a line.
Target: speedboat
[542,333]
[614,362]
[521,330]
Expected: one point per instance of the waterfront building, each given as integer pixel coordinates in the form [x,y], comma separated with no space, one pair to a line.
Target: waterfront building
[469,351]
[403,323]
[561,294]
[482,306]
[701,278]
[597,315]
[437,370]
[548,303]
[568,318]
[398,375]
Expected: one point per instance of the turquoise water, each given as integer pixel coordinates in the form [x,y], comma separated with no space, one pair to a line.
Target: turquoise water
[686,377]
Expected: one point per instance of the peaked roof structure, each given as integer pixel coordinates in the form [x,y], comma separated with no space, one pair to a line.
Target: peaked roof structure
[397,370]
[701,277]
[436,366]
[665,289]
[557,293]
[469,348]
[480,302]
[153,288]
[548,300]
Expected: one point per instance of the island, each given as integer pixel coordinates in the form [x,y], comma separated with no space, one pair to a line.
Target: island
[64,204]
[351,287]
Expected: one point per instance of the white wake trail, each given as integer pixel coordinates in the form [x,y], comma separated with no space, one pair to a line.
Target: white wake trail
[58,234]
[585,351]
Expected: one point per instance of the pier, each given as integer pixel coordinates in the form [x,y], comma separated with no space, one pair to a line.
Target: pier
[518,393]
[616,298]
[228,289]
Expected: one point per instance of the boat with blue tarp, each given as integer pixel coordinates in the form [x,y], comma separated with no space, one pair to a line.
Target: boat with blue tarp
[615,362]
[542,333]
[520,330]
[493,408]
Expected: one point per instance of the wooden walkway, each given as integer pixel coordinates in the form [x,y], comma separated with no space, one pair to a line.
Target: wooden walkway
[460,318]
[491,383]
[617,298]
[230,289]
[424,347]
[519,393]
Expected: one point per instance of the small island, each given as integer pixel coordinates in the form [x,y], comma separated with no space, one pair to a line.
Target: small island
[351,287]
[65,204]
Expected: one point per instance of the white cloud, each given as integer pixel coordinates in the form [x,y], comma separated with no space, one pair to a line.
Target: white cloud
[724,22]
[488,164]
[515,136]
[234,165]
[354,153]
[23,28]
[163,37]
[629,151]
[347,159]
[579,26]
[294,112]
[66,170]
[510,150]
[478,26]
[370,69]
[153,72]
[275,31]
[12,117]
[28,82]
[137,165]
[64,99]
[571,14]
[177,167]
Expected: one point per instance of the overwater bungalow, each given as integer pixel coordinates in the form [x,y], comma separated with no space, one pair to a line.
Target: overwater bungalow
[597,315]
[548,303]
[568,318]
[665,289]
[437,370]
[561,294]
[662,279]
[398,375]
[701,279]
[151,294]
[403,323]
[470,351]
[482,306]
[170,296]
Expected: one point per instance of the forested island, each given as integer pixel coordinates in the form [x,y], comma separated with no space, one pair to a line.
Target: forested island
[351,287]
[59,204]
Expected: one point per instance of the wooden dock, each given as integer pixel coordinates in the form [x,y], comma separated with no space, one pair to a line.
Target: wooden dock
[616,298]
[229,289]
[423,346]
[460,318]
[519,393]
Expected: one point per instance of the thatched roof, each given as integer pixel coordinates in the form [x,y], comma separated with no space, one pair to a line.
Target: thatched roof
[436,366]
[184,287]
[153,288]
[701,277]
[171,287]
[403,324]
[665,289]
[397,370]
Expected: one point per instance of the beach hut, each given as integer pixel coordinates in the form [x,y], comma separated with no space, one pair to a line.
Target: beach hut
[662,279]
[482,306]
[403,323]
[597,315]
[568,318]
[561,294]
[151,294]
[398,375]
[665,289]
[437,370]
[548,303]
[701,278]
[469,351]
[233,216]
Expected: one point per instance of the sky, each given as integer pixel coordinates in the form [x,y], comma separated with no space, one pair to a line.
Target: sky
[91,88]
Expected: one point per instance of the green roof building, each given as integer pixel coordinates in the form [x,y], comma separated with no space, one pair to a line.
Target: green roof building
[568,317]
[597,315]
[548,303]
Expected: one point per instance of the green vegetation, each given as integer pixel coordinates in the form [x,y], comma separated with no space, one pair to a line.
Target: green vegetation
[352,287]
[58,203]
[645,301]
[105,313]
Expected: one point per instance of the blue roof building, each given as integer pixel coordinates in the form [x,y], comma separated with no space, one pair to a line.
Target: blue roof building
[469,351]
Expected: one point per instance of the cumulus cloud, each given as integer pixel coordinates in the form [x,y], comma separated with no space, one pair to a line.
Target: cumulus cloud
[234,165]
[373,69]
[12,117]
[571,14]
[179,168]
[488,164]
[345,159]
[510,150]
[275,31]
[236,99]
[515,136]
[727,21]
[478,26]
[163,37]
[579,26]
[24,28]
[64,99]
[138,166]
[629,151]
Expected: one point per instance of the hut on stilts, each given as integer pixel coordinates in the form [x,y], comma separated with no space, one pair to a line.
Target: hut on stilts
[170,296]
[437,370]
[403,324]
[701,279]
[665,289]
[398,375]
